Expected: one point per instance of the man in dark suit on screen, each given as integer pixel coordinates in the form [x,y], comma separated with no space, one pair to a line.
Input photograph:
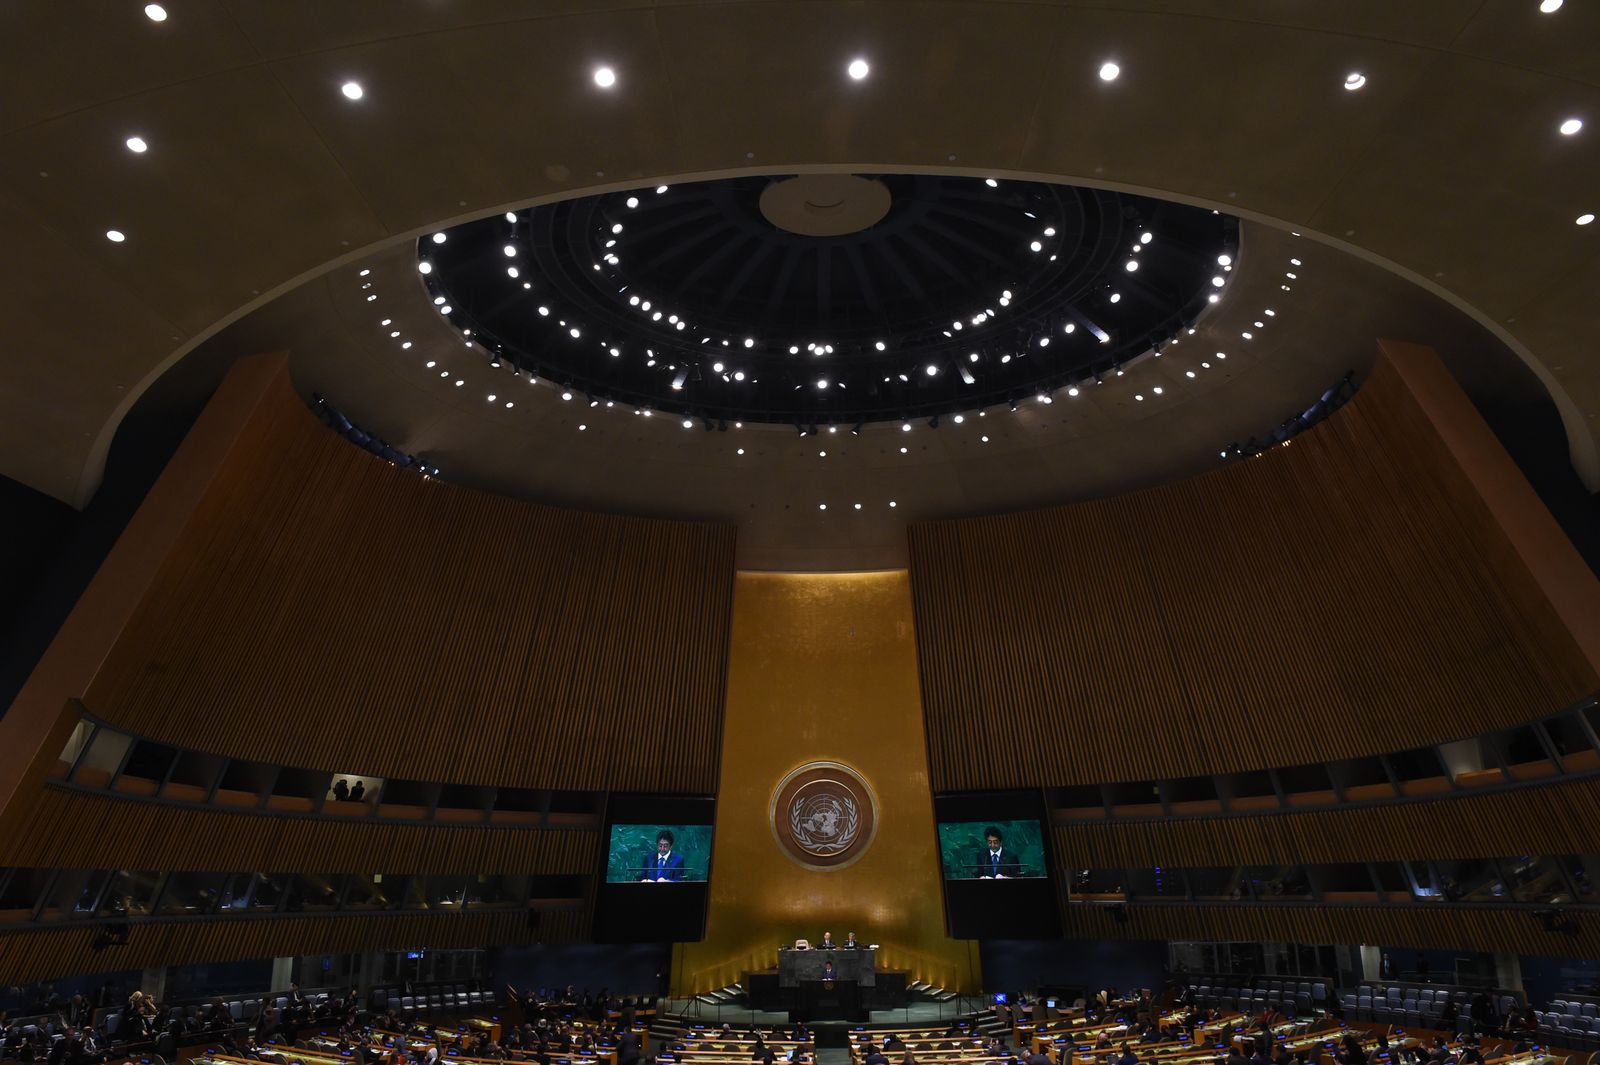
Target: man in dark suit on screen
[994,861]
[666,867]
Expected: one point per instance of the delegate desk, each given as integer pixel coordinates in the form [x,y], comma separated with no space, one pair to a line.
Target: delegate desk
[796,967]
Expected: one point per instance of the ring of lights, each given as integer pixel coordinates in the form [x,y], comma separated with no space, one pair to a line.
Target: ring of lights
[694,300]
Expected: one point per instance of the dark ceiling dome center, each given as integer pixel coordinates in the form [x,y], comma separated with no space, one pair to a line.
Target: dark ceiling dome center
[829,298]
[825,205]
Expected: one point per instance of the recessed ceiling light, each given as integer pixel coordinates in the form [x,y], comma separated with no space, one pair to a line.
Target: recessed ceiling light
[438,238]
[633,201]
[139,147]
[1218,281]
[1116,297]
[1146,238]
[1035,246]
[1568,128]
[1133,264]
[1072,391]
[1354,80]
[892,503]
[116,236]
[1109,71]
[1547,7]
[352,90]
[822,506]
[858,69]
[510,250]
[1583,220]
[1224,260]
[605,77]
[932,369]
[739,451]
[157,13]
[424,267]
[905,427]
[660,189]
[991,182]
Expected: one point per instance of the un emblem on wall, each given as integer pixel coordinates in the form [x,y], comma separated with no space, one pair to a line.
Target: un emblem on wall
[823,815]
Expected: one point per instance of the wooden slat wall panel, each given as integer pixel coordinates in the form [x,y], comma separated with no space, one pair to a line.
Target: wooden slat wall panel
[70,831]
[1346,595]
[325,609]
[48,953]
[1549,819]
[1454,928]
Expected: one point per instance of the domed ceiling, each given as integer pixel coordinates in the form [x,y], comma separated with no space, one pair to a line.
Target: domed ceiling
[824,299]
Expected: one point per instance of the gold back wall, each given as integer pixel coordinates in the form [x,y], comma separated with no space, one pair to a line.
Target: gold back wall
[1346,595]
[322,608]
[824,667]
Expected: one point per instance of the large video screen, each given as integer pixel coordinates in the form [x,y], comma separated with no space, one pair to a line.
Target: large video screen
[995,856]
[655,853]
[992,850]
[655,883]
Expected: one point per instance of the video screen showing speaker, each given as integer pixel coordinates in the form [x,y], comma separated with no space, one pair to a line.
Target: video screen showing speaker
[992,850]
[654,853]
[994,853]
[654,885]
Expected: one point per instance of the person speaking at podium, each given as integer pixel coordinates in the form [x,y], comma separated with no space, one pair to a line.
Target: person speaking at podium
[667,867]
[994,862]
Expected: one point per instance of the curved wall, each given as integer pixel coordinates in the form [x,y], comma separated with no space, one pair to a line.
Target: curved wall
[321,608]
[1349,594]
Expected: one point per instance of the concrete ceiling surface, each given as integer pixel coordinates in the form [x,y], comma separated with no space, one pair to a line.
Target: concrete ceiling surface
[1446,166]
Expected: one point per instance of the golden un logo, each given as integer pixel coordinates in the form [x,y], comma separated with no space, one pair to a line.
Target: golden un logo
[823,815]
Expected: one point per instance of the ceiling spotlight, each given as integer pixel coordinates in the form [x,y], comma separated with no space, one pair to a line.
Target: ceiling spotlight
[905,427]
[677,382]
[1109,71]
[510,250]
[137,145]
[1116,297]
[1546,7]
[352,90]
[1218,281]
[660,189]
[688,423]
[116,236]
[157,13]
[991,182]
[605,77]
[858,69]
[749,342]
[1354,81]
[822,382]
[1568,128]
[1072,391]
[1224,260]
[1132,265]
[880,345]
[424,267]
[1583,220]
[1036,246]
[1146,238]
